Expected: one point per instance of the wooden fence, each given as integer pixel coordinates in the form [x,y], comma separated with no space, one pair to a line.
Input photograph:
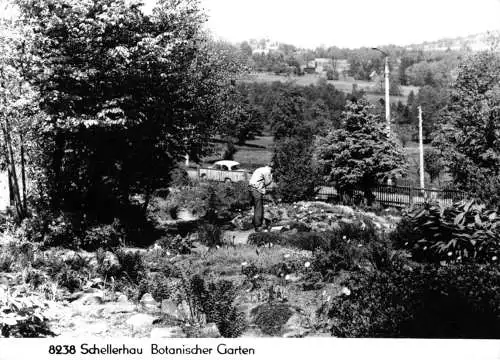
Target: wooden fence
[398,196]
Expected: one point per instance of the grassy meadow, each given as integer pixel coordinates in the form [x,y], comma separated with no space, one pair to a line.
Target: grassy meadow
[342,85]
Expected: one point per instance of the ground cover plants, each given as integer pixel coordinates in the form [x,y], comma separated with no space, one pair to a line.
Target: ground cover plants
[353,276]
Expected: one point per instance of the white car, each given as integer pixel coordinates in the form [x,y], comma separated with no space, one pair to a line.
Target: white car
[224,170]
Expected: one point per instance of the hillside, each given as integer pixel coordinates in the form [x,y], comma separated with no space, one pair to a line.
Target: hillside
[475,42]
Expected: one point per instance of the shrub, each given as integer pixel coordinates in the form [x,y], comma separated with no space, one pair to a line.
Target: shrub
[294,171]
[465,232]
[458,301]
[159,285]
[338,252]
[210,235]
[60,232]
[235,196]
[70,279]
[35,278]
[6,262]
[176,244]
[264,238]
[299,226]
[284,268]
[179,177]
[22,318]
[132,265]
[214,201]
[216,301]
[103,236]
[307,240]
[271,317]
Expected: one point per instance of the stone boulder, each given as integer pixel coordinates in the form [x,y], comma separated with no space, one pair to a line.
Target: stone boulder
[294,327]
[167,333]
[148,303]
[210,330]
[140,321]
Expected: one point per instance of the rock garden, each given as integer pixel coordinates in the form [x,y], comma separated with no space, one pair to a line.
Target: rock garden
[321,270]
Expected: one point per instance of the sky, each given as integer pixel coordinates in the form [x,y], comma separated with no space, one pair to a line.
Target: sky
[350,23]
[347,23]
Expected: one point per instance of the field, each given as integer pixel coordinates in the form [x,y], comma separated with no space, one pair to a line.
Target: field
[342,85]
[258,152]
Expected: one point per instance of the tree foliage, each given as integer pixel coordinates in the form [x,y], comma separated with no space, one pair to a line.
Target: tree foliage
[294,170]
[18,110]
[433,163]
[359,153]
[126,95]
[469,132]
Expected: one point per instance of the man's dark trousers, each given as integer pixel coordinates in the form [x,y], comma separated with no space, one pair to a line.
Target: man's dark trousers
[258,208]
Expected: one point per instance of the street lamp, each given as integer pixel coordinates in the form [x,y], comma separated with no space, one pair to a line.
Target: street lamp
[387,103]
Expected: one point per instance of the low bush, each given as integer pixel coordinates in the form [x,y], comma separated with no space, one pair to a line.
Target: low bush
[456,301]
[286,267]
[299,226]
[216,301]
[264,238]
[60,232]
[465,232]
[103,236]
[35,278]
[210,234]
[132,265]
[6,262]
[176,244]
[336,252]
[70,279]
[362,232]
[307,240]
[179,177]
[159,285]
[22,318]
[271,317]
[213,201]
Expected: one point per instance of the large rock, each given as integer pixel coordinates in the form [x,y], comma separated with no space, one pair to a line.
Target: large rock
[294,327]
[148,303]
[168,307]
[186,215]
[87,297]
[169,332]
[210,330]
[122,299]
[119,308]
[140,321]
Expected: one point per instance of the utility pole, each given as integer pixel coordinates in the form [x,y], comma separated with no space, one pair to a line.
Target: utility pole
[387,99]
[421,147]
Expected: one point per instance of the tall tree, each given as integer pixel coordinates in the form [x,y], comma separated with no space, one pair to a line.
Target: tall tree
[18,110]
[126,94]
[288,114]
[469,130]
[359,154]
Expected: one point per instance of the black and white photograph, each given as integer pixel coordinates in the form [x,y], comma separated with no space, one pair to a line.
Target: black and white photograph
[217,169]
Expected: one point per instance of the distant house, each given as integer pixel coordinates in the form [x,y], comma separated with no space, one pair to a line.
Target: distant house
[308,69]
[323,64]
[263,47]
[260,51]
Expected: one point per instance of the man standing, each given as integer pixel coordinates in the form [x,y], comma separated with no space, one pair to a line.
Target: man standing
[261,179]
